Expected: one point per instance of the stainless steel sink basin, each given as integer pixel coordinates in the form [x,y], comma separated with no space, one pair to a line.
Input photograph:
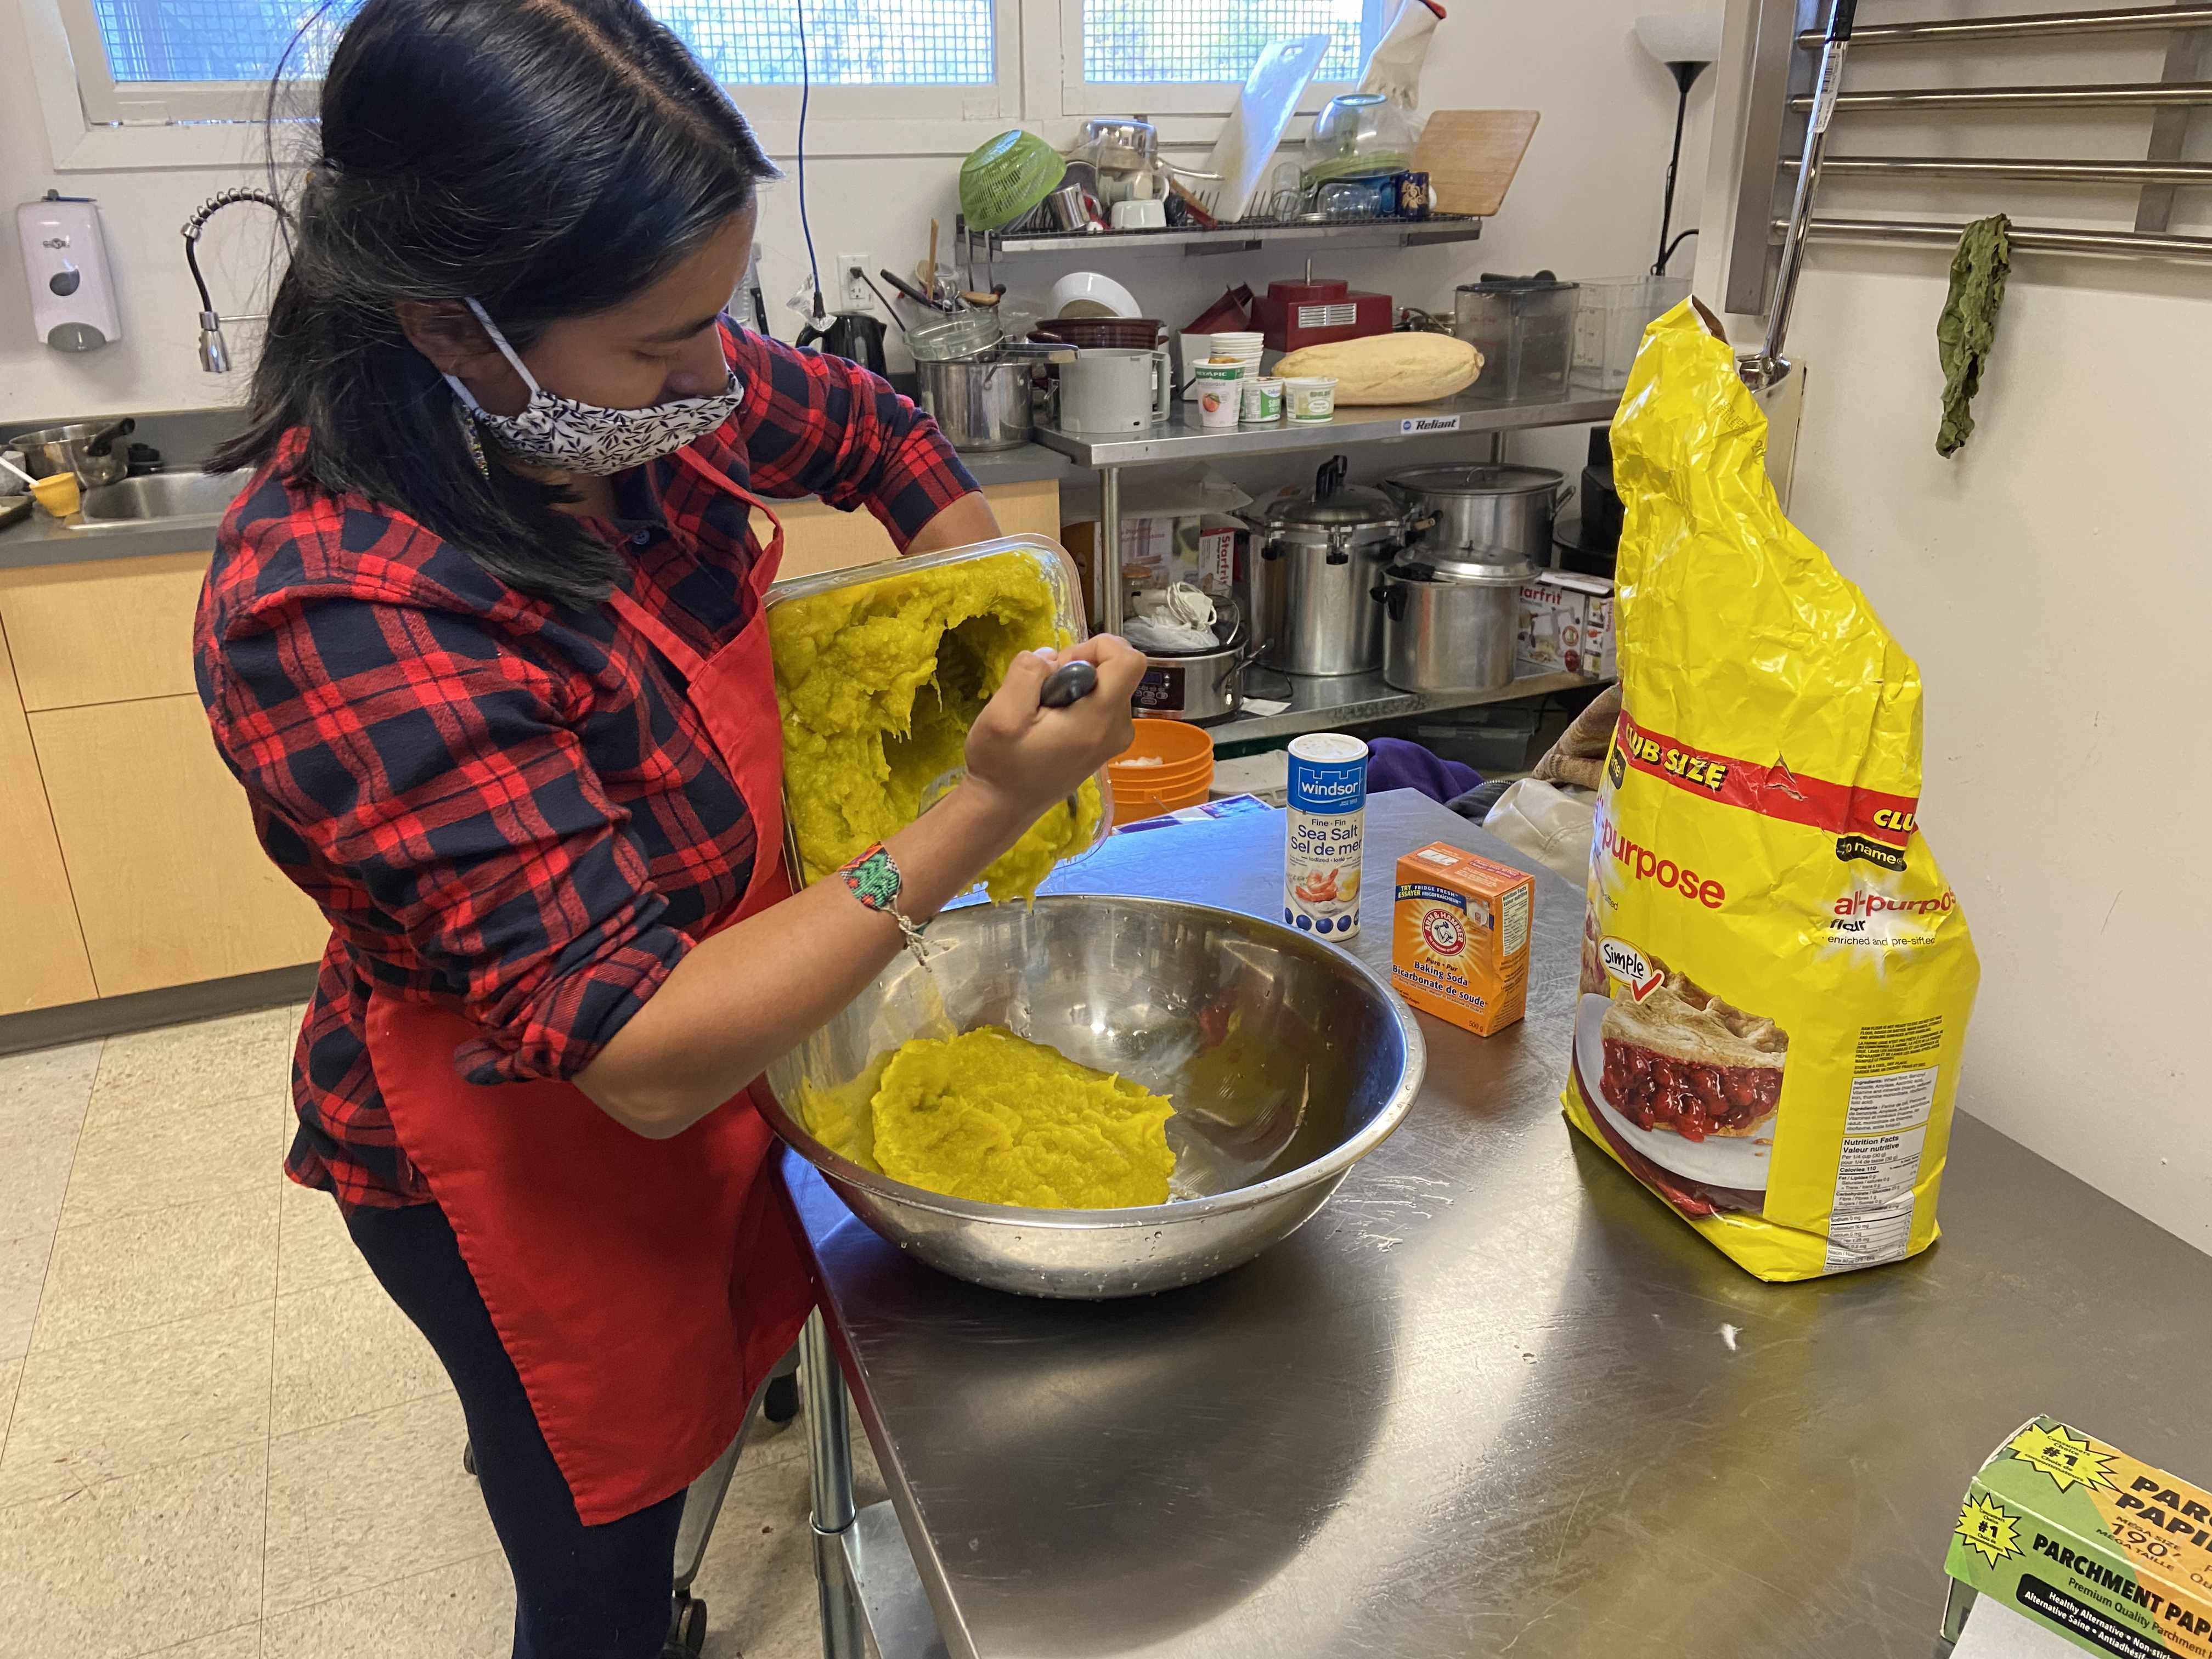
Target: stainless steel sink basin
[161,498]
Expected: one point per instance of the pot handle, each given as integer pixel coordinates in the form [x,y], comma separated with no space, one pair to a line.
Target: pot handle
[1562,493]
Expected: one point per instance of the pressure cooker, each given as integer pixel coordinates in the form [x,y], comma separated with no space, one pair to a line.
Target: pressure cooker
[1449,623]
[1320,557]
[1468,512]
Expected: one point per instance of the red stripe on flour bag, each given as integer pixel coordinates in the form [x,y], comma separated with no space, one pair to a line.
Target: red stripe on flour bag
[1774,791]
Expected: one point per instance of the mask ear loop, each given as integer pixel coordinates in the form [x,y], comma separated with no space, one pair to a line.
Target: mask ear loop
[491,330]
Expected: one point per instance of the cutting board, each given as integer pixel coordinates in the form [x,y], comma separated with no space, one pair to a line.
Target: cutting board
[1471,156]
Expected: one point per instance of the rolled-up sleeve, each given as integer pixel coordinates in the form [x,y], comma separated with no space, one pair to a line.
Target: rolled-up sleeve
[812,424]
[411,751]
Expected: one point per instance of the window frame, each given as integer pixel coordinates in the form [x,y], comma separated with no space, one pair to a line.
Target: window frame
[1079,97]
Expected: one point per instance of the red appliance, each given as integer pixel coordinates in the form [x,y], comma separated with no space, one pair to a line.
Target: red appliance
[1317,311]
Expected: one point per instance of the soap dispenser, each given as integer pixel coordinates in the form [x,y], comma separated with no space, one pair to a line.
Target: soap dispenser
[65,260]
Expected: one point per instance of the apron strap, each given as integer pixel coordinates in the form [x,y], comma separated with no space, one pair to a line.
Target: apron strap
[686,661]
[765,569]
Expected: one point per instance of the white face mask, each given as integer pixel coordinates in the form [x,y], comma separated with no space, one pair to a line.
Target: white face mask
[577,437]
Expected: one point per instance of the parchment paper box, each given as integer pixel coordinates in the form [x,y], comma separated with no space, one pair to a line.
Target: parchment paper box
[2087,1541]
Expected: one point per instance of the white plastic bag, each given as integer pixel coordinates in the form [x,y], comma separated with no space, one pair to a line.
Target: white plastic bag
[1551,824]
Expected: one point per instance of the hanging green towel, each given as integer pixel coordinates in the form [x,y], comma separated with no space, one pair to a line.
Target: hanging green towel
[1968,327]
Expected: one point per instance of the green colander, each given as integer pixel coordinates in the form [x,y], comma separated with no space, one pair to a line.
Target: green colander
[1006,178]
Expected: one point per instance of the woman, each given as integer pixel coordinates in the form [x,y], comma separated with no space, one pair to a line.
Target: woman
[483,640]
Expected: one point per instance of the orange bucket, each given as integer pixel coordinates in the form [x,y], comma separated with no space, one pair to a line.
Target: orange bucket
[1182,776]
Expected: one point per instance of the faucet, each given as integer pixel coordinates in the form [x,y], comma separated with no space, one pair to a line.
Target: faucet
[214,351]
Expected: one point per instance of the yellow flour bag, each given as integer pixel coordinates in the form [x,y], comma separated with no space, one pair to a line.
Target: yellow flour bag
[1775,978]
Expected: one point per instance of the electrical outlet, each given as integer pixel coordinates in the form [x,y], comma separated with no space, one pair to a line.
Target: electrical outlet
[852,290]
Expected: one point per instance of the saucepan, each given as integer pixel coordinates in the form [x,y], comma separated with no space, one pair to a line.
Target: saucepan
[85,447]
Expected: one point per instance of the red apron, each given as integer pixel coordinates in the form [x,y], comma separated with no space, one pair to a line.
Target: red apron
[642,1288]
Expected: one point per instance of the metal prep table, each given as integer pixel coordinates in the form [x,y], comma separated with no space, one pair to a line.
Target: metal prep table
[1494,1398]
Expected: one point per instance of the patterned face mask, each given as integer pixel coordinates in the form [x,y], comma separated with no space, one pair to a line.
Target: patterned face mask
[577,437]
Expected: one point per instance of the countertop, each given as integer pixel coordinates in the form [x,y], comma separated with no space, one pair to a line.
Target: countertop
[1495,1399]
[185,436]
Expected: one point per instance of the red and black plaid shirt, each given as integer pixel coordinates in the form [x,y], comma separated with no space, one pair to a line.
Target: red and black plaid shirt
[505,807]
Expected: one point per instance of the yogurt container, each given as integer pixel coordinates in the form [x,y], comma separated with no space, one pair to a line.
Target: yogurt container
[1220,397]
[1324,836]
[1310,398]
[1263,399]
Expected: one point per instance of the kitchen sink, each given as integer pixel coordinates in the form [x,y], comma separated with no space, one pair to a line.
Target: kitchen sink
[161,498]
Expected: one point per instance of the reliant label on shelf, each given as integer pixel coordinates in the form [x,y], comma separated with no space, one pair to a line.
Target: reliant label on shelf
[1414,423]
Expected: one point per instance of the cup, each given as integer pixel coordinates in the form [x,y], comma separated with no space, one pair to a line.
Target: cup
[1115,391]
[1140,214]
[1310,398]
[1262,400]
[1220,397]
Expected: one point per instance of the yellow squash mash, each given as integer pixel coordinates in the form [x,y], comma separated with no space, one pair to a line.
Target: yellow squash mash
[989,1116]
[878,684]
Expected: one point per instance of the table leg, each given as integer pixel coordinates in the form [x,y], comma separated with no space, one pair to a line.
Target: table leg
[1109,549]
[829,1454]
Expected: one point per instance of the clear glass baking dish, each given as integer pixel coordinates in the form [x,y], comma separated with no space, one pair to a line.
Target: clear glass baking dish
[1051,562]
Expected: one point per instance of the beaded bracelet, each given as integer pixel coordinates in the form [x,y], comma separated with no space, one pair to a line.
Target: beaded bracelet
[873,879]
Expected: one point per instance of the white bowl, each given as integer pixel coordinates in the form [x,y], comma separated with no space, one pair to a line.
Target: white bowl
[1090,294]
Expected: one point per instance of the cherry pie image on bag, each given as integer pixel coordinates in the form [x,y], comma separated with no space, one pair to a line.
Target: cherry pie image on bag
[1682,1058]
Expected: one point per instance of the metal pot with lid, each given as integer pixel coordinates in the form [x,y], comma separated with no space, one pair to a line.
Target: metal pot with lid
[1320,556]
[1470,511]
[1449,623]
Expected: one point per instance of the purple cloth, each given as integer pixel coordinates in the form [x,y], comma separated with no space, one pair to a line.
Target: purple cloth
[1394,763]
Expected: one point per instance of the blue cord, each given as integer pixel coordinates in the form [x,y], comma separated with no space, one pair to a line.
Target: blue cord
[805,90]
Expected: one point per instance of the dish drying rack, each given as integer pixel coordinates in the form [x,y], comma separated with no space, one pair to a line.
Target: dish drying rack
[1797,87]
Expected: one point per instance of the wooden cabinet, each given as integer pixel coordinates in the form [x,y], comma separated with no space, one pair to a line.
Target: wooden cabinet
[43,961]
[817,538]
[127,856]
[171,885]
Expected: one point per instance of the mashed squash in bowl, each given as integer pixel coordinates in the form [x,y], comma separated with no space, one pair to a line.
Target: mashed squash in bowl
[878,682]
[992,1117]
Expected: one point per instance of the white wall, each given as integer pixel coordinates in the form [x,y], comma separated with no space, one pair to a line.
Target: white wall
[2052,580]
[1586,203]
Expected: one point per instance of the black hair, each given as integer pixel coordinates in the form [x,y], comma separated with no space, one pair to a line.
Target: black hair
[551,158]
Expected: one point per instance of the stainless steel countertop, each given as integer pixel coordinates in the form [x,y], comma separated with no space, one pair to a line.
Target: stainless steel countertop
[1495,1399]
[1319,702]
[1182,439]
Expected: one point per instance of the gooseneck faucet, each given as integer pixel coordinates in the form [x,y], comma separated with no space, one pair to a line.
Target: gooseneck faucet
[214,351]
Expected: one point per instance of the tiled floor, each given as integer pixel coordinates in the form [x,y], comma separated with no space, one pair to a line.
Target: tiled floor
[218,1439]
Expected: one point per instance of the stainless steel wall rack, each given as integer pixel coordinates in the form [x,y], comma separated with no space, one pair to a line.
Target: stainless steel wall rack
[1786,41]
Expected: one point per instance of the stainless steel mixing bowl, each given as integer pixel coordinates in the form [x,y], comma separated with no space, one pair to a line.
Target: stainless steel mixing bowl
[1287,1058]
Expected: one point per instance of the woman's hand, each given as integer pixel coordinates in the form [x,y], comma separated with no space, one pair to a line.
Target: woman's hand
[753,991]
[1031,758]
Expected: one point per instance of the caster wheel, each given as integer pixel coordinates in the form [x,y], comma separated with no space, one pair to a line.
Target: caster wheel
[469,1457]
[687,1629]
[781,1404]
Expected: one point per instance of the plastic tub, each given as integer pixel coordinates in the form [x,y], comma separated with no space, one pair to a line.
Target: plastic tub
[1609,325]
[1525,331]
[1051,562]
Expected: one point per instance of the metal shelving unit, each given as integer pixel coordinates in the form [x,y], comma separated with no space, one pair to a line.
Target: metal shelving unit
[1247,236]
[1183,440]
[1787,39]
[1356,699]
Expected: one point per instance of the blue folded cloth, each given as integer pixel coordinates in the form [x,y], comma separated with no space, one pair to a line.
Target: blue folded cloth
[1394,763]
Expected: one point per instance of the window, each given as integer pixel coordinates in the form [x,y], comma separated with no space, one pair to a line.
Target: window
[1189,56]
[1142,41]
[744,42]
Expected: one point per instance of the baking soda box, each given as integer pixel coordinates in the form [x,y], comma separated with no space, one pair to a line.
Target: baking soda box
[1459,946]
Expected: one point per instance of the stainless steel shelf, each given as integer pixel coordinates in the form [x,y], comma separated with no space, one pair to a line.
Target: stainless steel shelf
[2125,95]
[1360,699]
[1231,238]
[1175,440]
[2013,168]
[2026,239]
[2031,25]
